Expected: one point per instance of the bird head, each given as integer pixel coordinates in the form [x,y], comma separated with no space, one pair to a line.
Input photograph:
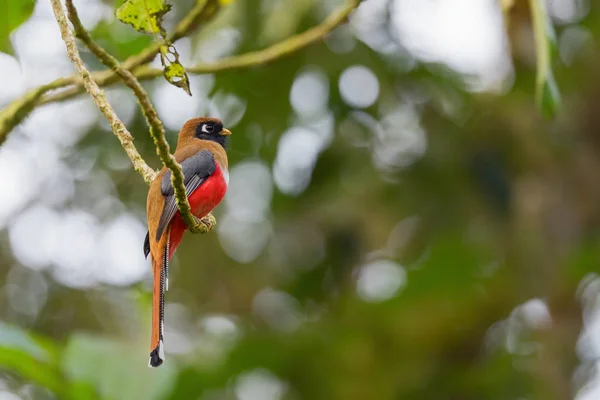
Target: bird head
[203,129]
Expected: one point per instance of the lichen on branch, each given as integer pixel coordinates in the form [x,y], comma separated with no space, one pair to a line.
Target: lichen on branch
[97,94]
[17,111]
[20,108]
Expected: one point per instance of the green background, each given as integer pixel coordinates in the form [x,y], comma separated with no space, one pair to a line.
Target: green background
[494,231]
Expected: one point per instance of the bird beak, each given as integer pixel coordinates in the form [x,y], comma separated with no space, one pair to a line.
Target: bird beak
[225,132]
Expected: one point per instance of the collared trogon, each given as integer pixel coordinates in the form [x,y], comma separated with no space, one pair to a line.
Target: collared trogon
[201,153]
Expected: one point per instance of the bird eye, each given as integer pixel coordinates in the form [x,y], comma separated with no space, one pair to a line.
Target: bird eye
[208,128]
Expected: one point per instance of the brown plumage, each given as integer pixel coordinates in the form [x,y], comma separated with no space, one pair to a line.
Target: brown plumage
[206,179]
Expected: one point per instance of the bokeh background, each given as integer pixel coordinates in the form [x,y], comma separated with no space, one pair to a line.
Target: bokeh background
[401,222]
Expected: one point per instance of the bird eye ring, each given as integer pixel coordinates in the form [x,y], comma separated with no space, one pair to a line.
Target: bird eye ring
[208,128]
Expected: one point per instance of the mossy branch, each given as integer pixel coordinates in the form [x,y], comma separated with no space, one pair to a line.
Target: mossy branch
[97,94]
[157,130]
[17,111]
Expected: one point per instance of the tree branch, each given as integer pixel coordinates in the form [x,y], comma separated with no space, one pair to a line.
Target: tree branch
[157,130]
[202,11]
[98,95]
[18,110]
[251,59]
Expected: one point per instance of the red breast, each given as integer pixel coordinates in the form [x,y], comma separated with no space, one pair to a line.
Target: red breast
[202,201]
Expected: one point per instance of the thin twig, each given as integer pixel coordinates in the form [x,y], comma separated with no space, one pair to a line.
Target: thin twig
[157,130]
[142,72]
[251,59]
[16,112]
[97,94]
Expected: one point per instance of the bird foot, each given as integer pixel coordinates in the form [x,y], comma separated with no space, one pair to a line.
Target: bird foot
[204,224]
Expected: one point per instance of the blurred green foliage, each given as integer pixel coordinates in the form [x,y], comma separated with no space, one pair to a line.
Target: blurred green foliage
[15,12]
[502,208]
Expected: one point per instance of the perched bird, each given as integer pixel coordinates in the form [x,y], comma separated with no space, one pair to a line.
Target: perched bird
[201,153]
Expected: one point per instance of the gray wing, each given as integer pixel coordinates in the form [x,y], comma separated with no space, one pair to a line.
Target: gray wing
[195,171]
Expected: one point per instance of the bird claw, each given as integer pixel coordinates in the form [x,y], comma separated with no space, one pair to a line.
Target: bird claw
[209,221]
[205,224]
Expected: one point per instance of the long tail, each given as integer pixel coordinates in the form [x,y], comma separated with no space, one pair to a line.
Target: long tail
[160,269]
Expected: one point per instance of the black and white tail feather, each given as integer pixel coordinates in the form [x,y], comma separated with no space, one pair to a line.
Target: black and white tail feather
[157,356]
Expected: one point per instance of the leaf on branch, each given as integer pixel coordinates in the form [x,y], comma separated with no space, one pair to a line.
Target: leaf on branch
[547,93]
[146,17]
[172,68]
[15,12]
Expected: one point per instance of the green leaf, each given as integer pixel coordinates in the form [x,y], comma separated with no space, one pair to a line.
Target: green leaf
[172,68]
[547,93]
[16,339]
[14,13]
[146,16]
[32,358]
